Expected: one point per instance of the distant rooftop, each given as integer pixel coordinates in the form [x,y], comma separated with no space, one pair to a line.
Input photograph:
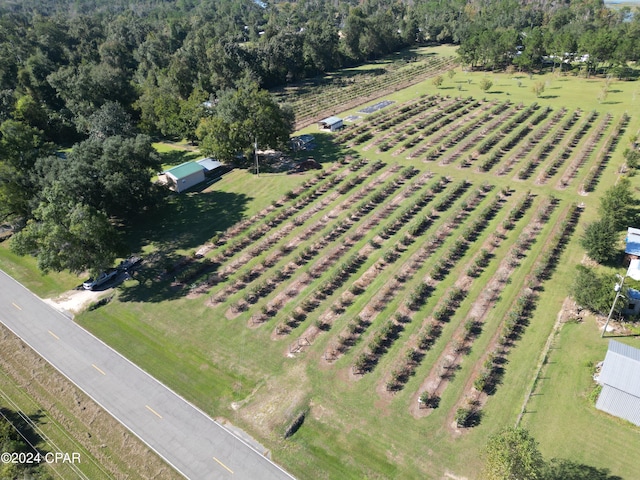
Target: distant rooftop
[331,120]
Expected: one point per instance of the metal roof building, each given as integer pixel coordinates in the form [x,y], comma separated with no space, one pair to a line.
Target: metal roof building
[620,380]
[331,123]
[633,242]
[209,164]
[185,176]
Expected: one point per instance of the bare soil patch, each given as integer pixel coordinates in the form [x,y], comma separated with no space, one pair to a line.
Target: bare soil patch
[75,301]
[276,403]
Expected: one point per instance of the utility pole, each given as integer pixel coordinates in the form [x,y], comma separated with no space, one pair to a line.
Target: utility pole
[618,289]
[255,153]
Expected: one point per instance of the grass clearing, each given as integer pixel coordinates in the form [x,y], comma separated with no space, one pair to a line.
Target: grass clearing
[560,412]
[25,270]
[172,154]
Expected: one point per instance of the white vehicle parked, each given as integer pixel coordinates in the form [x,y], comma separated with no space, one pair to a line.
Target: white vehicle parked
[101,279]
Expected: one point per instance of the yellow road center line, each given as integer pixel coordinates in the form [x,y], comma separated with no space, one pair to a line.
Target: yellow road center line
[98,369]
[230,471]
[153,411]
[53,335]
[16,306]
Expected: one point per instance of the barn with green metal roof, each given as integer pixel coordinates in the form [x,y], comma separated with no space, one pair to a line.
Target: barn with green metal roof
[185,176]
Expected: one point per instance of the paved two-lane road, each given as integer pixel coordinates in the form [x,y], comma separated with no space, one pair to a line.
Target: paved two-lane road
[192,442]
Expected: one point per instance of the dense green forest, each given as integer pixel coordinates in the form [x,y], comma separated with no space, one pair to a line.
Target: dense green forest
[60,62]
[107,76]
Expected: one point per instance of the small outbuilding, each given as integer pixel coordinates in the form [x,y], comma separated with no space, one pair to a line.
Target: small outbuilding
[331,123]
[213,168]
[633,302]
[632,247]
[185,176]
[209,164]
[620,380]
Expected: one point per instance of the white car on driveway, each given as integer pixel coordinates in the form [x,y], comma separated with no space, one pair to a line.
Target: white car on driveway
[101,279]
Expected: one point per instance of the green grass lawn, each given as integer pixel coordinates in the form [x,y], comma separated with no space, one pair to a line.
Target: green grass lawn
[25,270]
[244,373]
[190,219]
[563,418]
[175,154]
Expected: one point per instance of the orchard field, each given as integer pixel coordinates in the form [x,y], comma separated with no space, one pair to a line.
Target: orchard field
[381,317]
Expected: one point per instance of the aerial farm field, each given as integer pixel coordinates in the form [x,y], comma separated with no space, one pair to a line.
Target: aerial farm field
[381,317]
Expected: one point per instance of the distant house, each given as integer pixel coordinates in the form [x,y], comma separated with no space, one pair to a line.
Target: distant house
[331,123]
[620,380]
[632,248]
[185,176]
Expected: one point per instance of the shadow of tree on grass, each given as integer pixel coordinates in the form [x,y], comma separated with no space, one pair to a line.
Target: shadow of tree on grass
[185,221]
[326,149]
[17,435]
[22,430]
[177,157]
[562,469]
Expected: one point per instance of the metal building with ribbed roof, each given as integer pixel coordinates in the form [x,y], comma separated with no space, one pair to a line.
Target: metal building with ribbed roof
[185,176]
[620,380]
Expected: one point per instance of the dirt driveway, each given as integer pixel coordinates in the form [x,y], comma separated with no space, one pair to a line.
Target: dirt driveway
[75,301]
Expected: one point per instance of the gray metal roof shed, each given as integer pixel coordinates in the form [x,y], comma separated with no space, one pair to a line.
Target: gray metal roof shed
[331,123]
[620,380]
[209,164]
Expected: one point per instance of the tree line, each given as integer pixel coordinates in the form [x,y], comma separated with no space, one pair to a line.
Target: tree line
[60,61]
[583,32]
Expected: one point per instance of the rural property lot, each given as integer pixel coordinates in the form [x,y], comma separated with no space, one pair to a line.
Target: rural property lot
[417,268]
[407,289]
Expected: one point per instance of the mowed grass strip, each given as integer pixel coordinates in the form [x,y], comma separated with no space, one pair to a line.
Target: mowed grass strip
[25,270]
[561,414]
